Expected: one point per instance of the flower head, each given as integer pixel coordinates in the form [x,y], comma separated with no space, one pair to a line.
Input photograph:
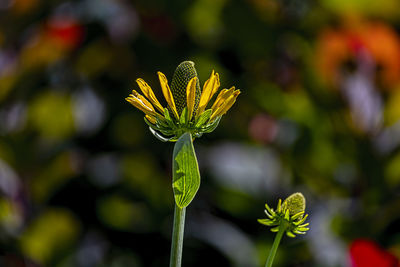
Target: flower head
[187,104]
[291,213]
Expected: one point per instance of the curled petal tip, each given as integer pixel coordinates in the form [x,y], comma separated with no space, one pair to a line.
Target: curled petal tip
[167,93]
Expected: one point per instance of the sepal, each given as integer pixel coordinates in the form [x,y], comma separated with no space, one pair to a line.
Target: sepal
[203,118]
[184,118]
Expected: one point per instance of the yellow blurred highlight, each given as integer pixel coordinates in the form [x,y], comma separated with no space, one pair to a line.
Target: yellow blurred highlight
[392,110]
[323,157]
[52,233]
[6,84]
[392,171]
[128,129]
[10,215]
[139,168]
[385,9]
[203,19]
[7,153]
[142,174]
[95,58]
[299,107]
[123,214]
[235,202]
[51,114]
[41,52]
[52,176]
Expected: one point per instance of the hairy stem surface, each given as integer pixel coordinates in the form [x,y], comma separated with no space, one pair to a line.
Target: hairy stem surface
[275,245]
[177,237]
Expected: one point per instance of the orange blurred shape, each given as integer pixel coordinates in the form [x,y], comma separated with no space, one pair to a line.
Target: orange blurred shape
[379,40]
[23,6]
[52,42]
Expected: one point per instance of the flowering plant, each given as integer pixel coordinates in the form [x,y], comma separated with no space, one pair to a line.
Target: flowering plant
[186,117]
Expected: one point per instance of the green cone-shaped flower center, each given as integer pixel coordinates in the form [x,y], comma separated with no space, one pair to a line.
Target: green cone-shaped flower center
[183,74]
[295,203]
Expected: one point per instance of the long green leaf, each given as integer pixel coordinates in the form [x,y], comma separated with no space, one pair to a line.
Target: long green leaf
[186,175]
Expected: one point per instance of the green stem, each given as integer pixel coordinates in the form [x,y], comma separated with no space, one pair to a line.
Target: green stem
[177,237]
[275,245]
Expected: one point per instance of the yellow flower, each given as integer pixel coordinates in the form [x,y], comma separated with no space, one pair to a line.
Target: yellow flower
[185,101]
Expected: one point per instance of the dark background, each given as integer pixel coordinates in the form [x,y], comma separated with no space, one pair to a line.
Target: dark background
[84,183]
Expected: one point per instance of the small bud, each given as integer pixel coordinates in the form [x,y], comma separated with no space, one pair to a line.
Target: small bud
[295,203]
[290,213]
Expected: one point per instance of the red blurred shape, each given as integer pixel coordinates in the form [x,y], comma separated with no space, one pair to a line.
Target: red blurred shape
[159,27]
[12,260]
[355,43]
[365,253]
[66,32]
[263,128]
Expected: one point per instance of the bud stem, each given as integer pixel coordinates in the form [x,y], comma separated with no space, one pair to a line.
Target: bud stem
[275,245]
[177,237]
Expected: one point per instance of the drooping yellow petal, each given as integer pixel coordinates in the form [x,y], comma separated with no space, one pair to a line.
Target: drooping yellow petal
[148,92]
[221,110]
[209,89]
[223,96]
[141,103]
[216,85]
[151,119]
[191,96]
[143,99]
[218,99]
[167,93]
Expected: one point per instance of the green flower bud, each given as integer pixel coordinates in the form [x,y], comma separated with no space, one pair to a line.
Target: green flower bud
[289,214]
[295,203]
[183,74]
